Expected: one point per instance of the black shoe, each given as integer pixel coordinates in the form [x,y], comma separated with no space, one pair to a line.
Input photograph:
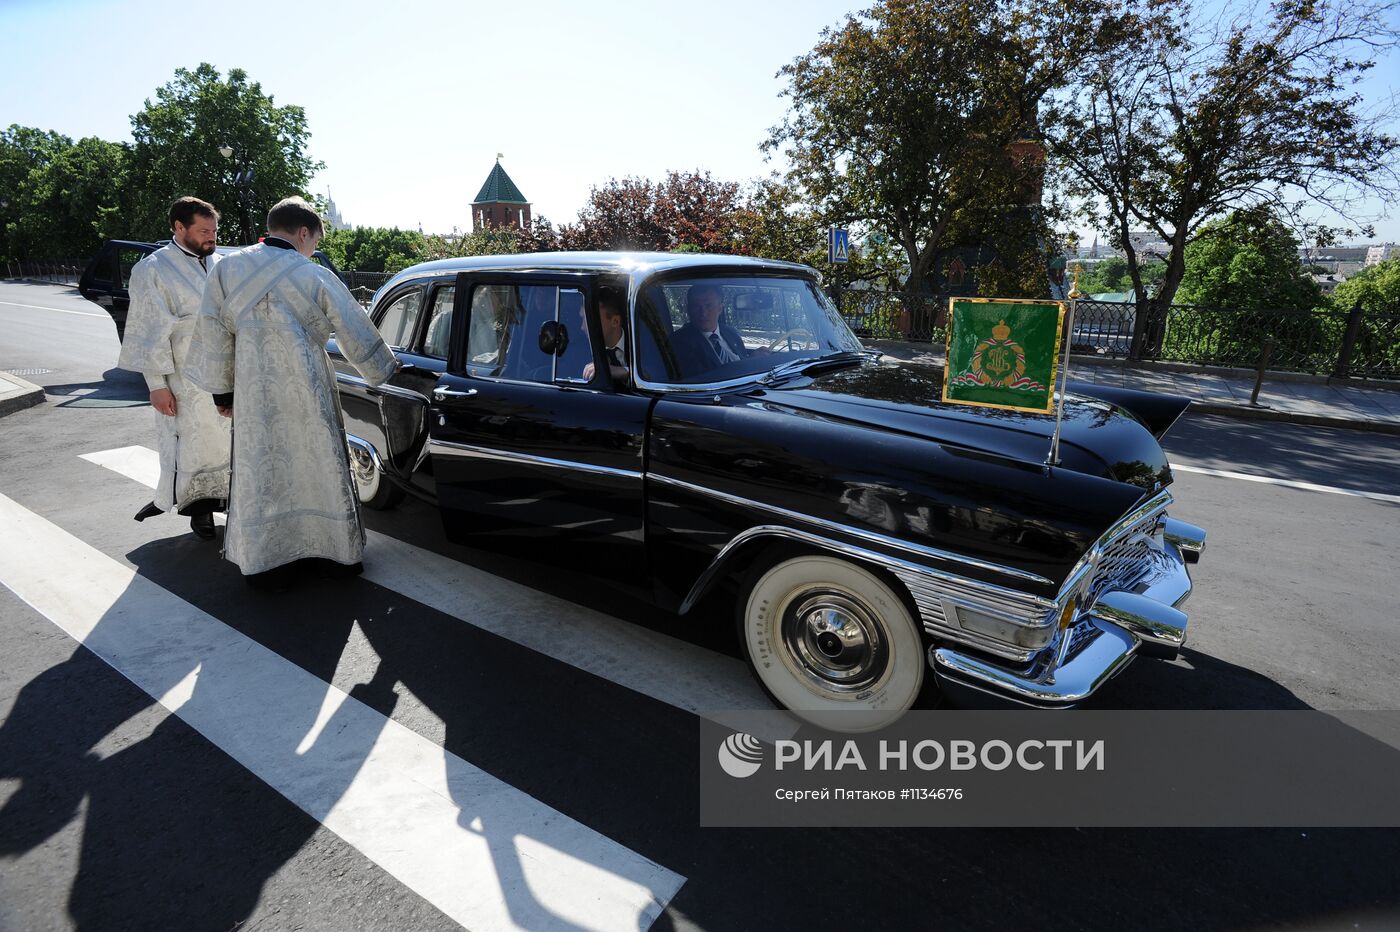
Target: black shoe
[203,525]
[277,579]
[329,569]
[150,511]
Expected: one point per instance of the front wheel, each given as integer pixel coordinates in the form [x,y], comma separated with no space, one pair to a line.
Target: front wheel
[373,487]
[833,643]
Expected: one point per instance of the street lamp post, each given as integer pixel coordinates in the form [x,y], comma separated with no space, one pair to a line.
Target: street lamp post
[243,181]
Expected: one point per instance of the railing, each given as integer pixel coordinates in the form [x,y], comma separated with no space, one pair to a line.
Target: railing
[363,285]
[54,271]
[1357,343]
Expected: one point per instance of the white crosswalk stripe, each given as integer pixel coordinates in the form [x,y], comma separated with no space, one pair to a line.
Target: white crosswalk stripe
[671,671]
[482,852]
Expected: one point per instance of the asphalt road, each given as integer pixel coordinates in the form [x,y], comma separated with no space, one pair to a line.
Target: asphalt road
[559,724]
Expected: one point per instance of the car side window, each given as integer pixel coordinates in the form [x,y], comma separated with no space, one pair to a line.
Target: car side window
[400,319]
[439,332]
[525,332]
[126,260]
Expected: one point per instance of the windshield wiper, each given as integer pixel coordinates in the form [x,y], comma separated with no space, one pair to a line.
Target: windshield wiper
[808,365]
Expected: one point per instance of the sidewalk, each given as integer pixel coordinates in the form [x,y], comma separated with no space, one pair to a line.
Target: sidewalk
[16,394]
[1284,396]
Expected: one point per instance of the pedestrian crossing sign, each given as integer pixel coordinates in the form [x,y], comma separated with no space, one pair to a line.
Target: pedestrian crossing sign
[838,245]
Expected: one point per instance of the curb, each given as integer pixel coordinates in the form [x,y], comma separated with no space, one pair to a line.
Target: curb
[1244,412]
[16,394]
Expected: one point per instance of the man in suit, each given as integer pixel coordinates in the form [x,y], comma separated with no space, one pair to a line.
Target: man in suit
[705,342]
[610,316]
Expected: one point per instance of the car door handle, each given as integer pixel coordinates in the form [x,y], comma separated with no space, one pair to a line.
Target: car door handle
[442,394]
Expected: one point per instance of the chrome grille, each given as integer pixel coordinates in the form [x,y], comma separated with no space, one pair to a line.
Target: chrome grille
[1080,637]
[1123,563]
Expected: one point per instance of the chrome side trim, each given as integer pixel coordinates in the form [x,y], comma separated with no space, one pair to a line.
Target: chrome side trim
[449,448]
[385,389]
[931,553]
[929,588]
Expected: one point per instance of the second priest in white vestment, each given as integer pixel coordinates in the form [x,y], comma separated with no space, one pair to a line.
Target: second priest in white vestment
[261,336]
[167,288]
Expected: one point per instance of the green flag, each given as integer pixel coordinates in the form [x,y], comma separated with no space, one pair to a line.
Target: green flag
[1002,353]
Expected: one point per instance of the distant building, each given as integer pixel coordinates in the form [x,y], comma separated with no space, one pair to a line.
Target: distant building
[499,203]
[333,218]
[1375,255]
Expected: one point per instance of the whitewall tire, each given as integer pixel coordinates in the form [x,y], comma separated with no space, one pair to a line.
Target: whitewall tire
[374,490]
[832,642]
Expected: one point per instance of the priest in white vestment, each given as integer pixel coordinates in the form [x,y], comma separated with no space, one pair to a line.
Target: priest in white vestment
[259,348]
[167,288]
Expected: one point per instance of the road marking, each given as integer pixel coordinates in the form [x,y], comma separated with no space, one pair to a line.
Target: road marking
[481,851]
[41,307]
[669,670]
[1288,483]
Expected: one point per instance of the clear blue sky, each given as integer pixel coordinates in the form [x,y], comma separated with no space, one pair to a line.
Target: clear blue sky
[409,101]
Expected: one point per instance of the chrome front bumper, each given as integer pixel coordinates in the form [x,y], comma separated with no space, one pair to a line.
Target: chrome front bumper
[1100,643]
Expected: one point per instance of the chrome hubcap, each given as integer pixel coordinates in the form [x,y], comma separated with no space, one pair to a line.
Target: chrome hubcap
[837,643]
[362,468]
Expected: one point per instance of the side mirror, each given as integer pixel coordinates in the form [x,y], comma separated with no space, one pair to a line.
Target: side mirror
[554,338]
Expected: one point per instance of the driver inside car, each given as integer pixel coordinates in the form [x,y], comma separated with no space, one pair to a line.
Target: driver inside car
[706,342]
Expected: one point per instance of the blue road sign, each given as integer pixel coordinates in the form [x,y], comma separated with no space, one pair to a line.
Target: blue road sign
[838,245]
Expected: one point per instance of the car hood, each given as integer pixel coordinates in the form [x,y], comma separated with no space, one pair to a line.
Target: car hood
[1097,437]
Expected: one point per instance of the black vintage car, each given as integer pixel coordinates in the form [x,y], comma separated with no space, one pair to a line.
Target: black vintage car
[107,277]
[883,543]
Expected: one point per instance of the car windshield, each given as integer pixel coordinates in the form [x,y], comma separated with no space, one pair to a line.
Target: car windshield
[697,331]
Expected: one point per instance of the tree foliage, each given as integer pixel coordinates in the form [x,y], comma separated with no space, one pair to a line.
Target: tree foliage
[178,136]
[1376,288]
[1208,113]
[1248,261]
[685,209]
[60,198]
[903,117]
[374,249]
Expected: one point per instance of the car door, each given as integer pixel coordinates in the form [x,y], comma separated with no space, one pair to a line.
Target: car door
[528,454]
[392,417]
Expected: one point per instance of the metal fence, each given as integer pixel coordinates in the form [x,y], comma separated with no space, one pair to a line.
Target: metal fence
[54,271]
[363,285]
[1356,343]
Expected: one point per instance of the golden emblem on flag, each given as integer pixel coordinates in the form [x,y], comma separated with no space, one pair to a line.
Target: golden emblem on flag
[999,360]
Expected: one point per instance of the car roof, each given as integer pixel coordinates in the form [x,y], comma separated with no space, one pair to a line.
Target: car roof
[635,264]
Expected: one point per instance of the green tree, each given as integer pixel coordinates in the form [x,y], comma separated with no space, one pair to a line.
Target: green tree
[773,223]
[1207,114]
[77,200]
[904,116]
[1248,261]
[374,249]
[24,153]
[178,137]
[1376,288]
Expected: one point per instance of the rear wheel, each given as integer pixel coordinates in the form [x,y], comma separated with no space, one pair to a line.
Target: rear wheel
[832,642]
[373,487]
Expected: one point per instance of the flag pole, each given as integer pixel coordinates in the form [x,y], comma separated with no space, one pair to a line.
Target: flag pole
[1054,458]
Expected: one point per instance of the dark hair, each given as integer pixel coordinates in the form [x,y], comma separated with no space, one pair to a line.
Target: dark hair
[291,214]
[612,297]
[185,209]
[693,294]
